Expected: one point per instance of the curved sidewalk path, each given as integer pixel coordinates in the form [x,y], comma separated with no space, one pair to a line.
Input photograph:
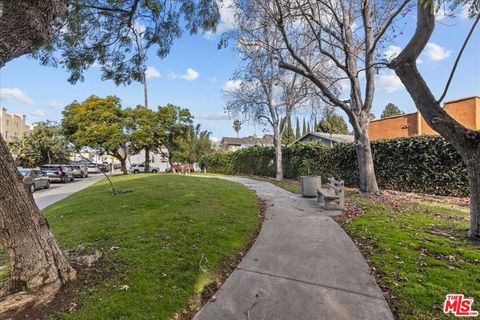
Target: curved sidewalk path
[302,266]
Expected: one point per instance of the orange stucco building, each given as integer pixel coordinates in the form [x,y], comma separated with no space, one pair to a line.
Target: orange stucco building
[466,111]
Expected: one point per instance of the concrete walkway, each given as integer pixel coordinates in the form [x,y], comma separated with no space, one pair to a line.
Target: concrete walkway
[302,266]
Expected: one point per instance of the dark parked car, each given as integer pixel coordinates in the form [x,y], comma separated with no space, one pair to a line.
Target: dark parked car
[103,167]
[79,171]
[58,172]
[34,179]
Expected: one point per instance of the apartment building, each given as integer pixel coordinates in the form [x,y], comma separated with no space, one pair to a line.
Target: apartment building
[466,111]
[12,126]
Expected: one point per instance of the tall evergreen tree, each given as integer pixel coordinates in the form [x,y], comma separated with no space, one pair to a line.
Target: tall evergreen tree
[315,125]
[304,129]
[288,136]
[308,127]
[297,130]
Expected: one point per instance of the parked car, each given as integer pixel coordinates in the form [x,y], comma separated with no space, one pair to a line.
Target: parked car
[104,167]
[58,172]
[92,168]
[140,167]
[79,171]
[34,179]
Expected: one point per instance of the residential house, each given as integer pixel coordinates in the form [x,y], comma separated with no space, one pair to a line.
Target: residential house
[328,139]
[233,144]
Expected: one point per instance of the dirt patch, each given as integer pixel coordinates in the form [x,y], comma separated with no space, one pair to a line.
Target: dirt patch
[412,197]
[67,297]
[228,265]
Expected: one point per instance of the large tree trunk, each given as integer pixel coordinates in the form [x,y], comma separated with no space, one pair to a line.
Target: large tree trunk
[465,141]
[366,169]
[147,159]
[473,168]
[123,164]
[37,264]
[35,257]
[278,157]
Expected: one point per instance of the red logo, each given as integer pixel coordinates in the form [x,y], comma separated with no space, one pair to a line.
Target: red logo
[459,305]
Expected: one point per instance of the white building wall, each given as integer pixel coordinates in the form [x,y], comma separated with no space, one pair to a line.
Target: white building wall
[157,159]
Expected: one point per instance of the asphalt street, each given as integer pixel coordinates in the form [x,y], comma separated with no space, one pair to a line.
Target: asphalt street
[59,191]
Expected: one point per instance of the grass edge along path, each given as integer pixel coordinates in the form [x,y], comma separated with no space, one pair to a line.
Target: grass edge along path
[417,249]
[169,241]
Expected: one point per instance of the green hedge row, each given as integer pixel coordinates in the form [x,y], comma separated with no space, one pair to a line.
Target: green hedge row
[418,164]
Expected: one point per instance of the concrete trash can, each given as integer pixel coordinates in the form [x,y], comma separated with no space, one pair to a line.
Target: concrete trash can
[310,184]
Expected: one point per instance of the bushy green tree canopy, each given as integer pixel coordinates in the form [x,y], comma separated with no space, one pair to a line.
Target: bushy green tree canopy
[43,144]
[106,32]
[98,123]
[333,124]
[391,110]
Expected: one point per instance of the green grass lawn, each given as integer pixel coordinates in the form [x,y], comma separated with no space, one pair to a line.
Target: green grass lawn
[162,225]
[418,250]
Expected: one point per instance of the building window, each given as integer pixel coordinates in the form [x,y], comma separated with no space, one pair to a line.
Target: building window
[8,121]
[6,135]
[16,124]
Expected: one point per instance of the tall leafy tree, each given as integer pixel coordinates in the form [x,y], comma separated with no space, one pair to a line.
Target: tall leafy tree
[43,144]
[333,124]
[76,34]
[100,124]
[196,145]
[391,110]
[143,126]
[175,126]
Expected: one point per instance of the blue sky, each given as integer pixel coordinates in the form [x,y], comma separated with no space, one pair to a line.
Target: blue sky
[195,72]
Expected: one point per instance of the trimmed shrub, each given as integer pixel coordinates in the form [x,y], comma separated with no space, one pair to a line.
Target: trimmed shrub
[423,164]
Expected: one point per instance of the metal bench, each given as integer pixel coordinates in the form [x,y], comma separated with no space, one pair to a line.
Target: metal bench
[333,196]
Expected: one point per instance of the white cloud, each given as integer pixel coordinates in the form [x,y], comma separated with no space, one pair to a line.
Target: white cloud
[152,72]
[436,53]
[56,104]
[15,94]
[392,52]
[232,85]
[190,75]
[389,83]
[38,114]
[211,115]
